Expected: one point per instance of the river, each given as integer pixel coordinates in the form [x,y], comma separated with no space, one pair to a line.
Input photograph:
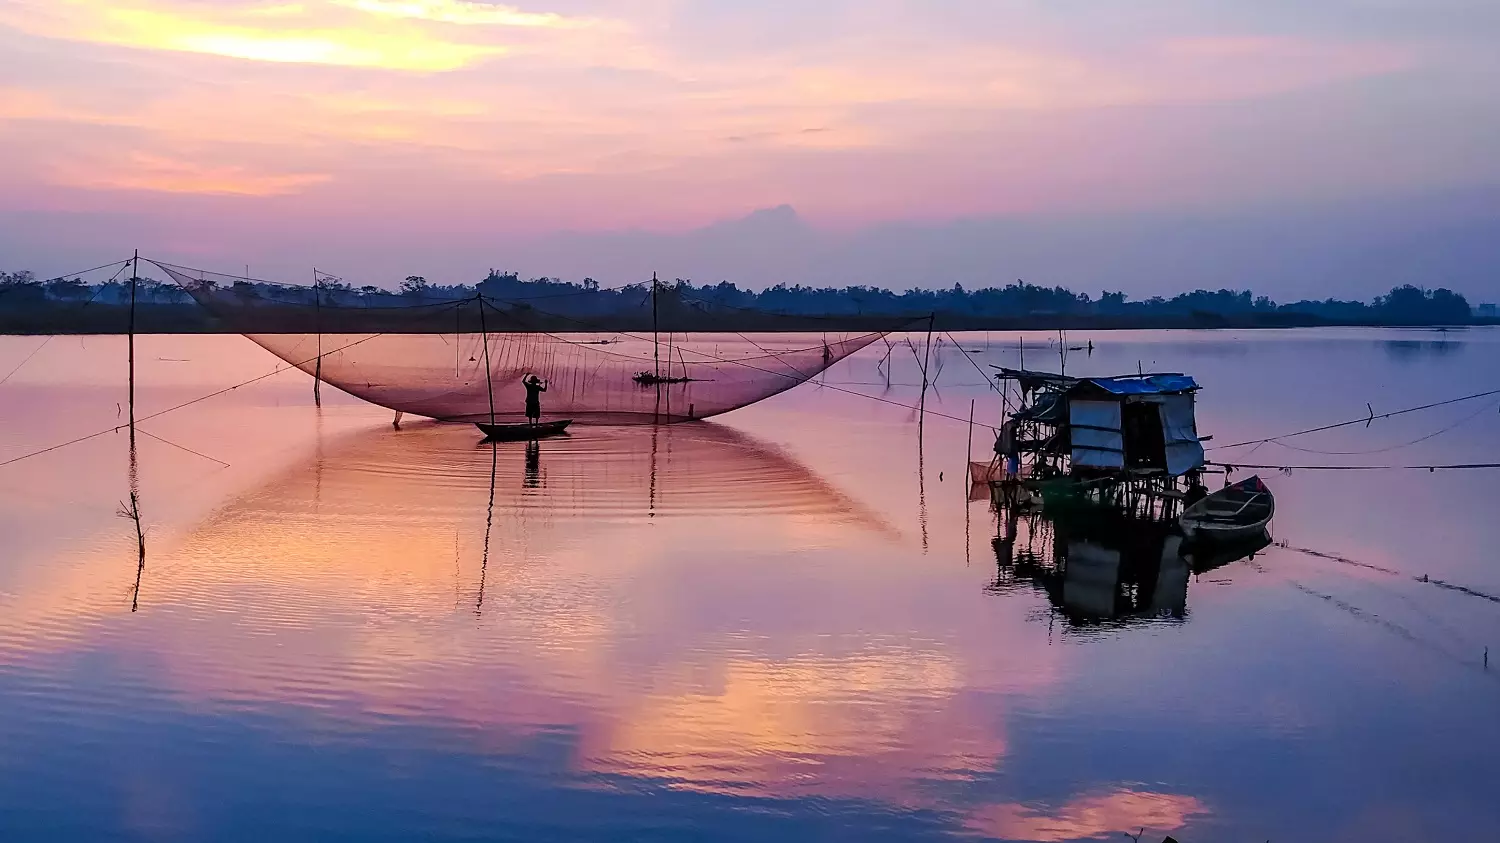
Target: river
[791,621]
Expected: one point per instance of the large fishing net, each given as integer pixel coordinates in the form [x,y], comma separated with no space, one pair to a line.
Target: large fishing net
[637,356]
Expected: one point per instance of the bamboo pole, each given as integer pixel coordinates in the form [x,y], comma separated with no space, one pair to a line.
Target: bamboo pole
[134,513]
[968,483]
[489,375]
[318,325]
[969,453]
[926,362]
[135,271]
[655,341]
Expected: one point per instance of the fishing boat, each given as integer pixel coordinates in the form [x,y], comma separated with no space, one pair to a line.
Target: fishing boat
[518,432]
[1238,511]
[652,379]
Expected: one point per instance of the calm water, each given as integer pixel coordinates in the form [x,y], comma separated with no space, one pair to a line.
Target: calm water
[788,622]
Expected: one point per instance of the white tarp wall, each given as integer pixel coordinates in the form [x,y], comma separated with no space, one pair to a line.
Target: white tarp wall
[1180,431]
[1098,440]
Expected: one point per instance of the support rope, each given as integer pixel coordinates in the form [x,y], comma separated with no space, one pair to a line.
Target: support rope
[278,370]
[1363,420]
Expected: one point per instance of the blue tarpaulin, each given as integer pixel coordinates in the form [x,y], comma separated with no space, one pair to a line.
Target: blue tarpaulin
[1149,385]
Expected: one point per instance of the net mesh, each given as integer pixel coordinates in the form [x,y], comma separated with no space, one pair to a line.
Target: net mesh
[464,359]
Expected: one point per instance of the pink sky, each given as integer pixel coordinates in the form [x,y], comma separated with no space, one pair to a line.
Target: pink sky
[456,135]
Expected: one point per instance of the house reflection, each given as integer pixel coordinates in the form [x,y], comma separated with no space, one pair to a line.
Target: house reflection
[1103,568]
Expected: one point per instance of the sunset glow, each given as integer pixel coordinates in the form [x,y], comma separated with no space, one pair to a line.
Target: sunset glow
[1087,817]
[482,127]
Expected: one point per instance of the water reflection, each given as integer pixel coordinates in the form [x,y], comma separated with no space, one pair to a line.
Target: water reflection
[1098,568]
[133,512]
[325,596]
[489,516]
[1407,351]
[622,471]
[533,465]
[765,658]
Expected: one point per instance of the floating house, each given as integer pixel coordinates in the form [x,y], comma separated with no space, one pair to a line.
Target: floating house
[1127,439]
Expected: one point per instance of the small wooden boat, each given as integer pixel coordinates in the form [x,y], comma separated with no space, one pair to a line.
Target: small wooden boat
[652,379]
[518,432]
[1238,511]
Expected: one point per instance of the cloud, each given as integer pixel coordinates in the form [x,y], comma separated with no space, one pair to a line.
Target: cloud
[140,171]
[460,12]
[1099,815]
[534,116]
[803,726]
[357,33]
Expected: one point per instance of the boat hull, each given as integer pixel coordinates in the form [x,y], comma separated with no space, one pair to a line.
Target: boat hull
[519,432]
[1235,513]
[1221,534]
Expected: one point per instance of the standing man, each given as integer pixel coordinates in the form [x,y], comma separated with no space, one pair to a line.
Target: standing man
[535,386]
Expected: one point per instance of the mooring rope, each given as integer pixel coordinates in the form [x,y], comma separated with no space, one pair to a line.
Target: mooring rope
[1424,579]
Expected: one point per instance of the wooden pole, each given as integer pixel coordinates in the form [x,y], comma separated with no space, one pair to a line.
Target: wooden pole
[927,350]
[135,271]
[318,324]
[926,362]
[655,342]
[135,493]
[135,516]
[968,483]
[489,381]
[489,523]
[969,454]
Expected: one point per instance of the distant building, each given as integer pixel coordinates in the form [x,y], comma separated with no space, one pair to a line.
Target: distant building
[1487,311]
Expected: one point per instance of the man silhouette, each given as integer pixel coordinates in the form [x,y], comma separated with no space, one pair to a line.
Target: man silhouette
[535,386]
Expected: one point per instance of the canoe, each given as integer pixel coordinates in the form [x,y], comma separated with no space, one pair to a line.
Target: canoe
[1235,512]
[517,432]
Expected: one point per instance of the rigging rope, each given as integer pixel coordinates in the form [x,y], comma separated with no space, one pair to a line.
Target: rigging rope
[965,353]
[1364,420]
[124,263]
[323,276]
[1387,449]
[713,358]
[72,312]
[1388,625]
[28,357]
[278,370]
[151,435]
[1424,579]
[1475,466]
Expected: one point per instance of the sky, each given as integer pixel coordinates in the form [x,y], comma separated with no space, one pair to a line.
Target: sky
[1301,149]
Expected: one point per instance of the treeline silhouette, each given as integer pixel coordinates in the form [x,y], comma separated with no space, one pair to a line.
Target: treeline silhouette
[69,305]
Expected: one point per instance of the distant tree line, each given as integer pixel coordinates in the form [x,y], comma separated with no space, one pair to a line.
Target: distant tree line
[1019,304]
